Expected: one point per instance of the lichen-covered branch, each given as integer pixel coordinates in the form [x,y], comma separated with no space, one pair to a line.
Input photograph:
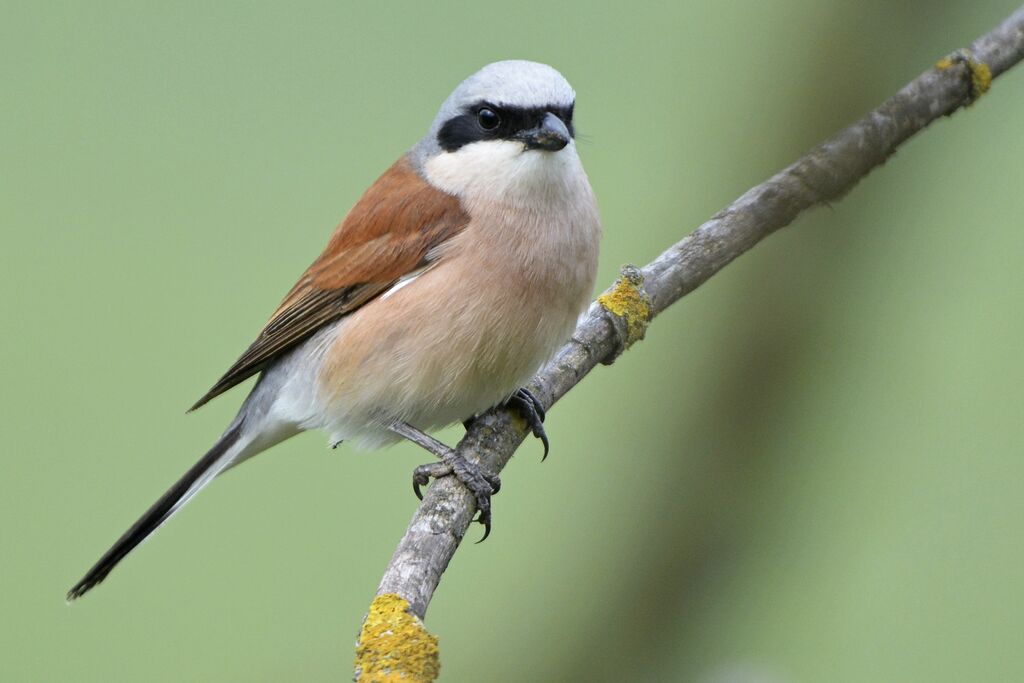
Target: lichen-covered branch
[394,646]
[620,316]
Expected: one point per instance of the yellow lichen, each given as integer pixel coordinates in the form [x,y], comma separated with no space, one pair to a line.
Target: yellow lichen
[627,300]
[394,646]
[981,78]
[981,74]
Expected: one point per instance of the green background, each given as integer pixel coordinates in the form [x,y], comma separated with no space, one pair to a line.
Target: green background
[811,470]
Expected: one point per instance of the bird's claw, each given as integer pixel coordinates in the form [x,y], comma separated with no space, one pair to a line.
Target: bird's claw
[532,410]
[422,475]
[480,483]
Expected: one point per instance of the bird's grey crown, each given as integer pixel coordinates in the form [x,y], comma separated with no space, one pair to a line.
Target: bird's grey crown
[512,83]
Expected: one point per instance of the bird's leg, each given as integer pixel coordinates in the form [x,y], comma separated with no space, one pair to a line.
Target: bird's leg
[530,407]
[481,484]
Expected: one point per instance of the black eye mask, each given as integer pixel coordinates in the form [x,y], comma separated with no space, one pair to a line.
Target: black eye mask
[484,121]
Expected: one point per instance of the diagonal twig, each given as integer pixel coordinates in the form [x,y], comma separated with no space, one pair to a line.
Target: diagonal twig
[619,316]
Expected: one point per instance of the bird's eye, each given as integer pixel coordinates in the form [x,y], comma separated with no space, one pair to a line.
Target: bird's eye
[488,119]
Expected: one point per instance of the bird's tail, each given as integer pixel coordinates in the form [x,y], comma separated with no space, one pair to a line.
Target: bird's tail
[223,454]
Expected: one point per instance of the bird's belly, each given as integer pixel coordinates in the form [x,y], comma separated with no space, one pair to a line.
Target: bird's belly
[445,347]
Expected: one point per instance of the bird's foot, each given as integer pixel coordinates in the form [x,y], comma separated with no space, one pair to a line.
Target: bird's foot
[532,410]
[481,484]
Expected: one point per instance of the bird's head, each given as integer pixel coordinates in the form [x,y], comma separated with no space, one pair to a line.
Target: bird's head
[507,128]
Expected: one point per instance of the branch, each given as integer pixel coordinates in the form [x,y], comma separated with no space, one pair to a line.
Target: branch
[619,316]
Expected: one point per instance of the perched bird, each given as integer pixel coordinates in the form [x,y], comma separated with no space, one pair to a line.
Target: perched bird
[451,281]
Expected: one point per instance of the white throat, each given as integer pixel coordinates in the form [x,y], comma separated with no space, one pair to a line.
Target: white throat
[506,173]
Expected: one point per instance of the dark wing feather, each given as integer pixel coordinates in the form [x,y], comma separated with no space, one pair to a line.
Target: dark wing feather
[389,233]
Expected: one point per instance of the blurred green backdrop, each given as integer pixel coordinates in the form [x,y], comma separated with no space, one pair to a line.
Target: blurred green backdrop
[823,481]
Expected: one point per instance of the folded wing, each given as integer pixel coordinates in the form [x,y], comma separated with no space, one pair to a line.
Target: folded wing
[393,230]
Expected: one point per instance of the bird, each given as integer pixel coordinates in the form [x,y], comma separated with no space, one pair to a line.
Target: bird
[450,282]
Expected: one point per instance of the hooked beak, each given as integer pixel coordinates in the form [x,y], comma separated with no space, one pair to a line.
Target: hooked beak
[551,135]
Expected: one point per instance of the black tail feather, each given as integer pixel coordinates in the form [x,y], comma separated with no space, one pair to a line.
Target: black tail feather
[153,517]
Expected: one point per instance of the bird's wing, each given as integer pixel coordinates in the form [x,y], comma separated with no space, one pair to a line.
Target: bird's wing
[392,231]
